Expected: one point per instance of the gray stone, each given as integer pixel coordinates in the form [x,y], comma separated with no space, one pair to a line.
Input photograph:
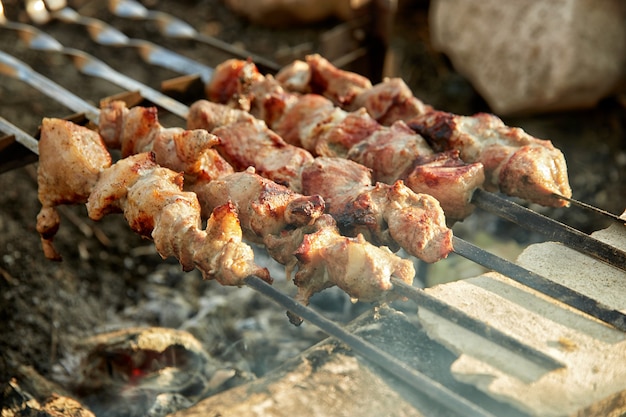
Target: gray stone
[592,378]
[531,56]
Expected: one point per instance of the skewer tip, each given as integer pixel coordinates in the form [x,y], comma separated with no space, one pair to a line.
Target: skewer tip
[605,213]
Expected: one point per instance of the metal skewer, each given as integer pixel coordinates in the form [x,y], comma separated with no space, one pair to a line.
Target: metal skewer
[171,26]
[415,379]
[90,65]
[20,136]
[549,227]
[591,208]
[105,34]
[461,247]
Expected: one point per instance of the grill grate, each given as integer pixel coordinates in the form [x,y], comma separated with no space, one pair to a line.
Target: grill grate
[92,66]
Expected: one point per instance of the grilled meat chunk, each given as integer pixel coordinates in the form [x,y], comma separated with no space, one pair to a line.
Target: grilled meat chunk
[155,206]
[447,178]
[138,130]
[325,258]
[71,159]
[515,162]
[253,144]
[390,215]
[265,208]
[382,213]
[387,102]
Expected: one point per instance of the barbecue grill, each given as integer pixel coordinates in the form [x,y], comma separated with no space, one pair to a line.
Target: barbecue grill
[532,338]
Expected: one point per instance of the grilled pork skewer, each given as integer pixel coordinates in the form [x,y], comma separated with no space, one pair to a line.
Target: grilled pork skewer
[314,123]
[291,226]
[75,167]
[514,162]
[507,153]
[387,102]
[390,215]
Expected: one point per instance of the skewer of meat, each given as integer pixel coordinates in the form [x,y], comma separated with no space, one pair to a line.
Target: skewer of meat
[514,162]
[75,167]
[387,102]
[390,215]
[314,123]
[291,226]
[511,156]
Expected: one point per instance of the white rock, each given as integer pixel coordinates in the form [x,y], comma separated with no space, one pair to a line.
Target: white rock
[529,56]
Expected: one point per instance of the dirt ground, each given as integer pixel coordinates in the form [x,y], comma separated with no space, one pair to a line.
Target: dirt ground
[111,279]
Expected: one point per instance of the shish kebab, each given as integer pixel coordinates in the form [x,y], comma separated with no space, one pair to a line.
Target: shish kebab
[392,100]
[243,205]
[387,215]
[528,278]
[509,154]
[17,69]
[325,227]
[514,162]
[142,169]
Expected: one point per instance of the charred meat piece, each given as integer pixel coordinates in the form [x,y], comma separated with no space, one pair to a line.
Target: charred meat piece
[515,162]
[390,215]
[72,158]
[155,206]
[325,258]
[387,102]
[316,124]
